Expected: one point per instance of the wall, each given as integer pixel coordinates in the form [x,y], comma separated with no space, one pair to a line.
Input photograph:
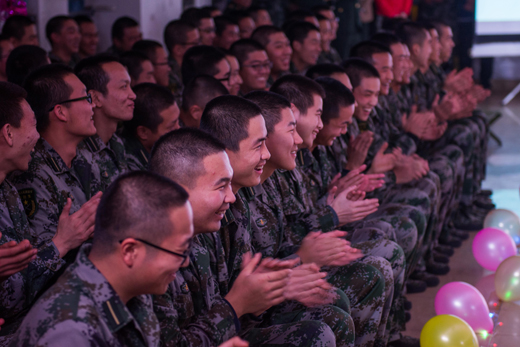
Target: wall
[43,10]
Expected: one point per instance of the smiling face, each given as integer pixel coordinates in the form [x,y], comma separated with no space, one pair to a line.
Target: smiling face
[118,104]
[207,31]
[147,74]
[384,65]
[366,95]
[211,194]
[336,127]
[326,34]
[235,80]
[248,162]
[69,37]
[130,36]
[24,138]
[310,124]
[309,50]
[80,122]
[230,35]
[421,53]
[89,39]
[283,142]
[334,22]
[170,122]
[246,26]
[446,43]
[279,51]
[159,268]
[399,59]
[255,71]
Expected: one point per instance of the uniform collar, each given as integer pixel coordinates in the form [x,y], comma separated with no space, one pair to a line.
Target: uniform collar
[51,157]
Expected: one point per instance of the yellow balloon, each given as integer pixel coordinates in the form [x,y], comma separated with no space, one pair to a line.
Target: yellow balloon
[507,279]
[446,330]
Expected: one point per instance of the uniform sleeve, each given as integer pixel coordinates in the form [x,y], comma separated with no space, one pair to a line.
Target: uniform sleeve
[209,328]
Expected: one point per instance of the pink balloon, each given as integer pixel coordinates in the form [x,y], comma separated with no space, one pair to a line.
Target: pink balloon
[491,246]
[464,301]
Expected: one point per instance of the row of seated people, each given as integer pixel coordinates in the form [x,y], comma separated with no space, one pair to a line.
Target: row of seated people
[301,215]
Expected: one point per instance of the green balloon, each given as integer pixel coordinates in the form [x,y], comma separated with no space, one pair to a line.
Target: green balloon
[504,220]
[446,330]
[507,279]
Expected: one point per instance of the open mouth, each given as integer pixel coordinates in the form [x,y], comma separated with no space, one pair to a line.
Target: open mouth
[260,168]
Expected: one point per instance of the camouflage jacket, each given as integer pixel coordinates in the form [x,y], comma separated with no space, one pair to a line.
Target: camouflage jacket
[18,292]
[193,311]
[330,57]
[423,92]
[45,187]
[235,232]
[109,161]
[268,223]
[136,155]
[82,309]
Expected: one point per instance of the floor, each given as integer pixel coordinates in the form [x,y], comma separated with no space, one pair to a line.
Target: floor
[503,177]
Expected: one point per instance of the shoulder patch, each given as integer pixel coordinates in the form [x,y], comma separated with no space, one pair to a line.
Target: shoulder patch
[184,288]
[261,222]
[28,197]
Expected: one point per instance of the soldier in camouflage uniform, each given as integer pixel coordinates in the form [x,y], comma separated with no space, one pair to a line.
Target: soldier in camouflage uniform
[20,290]
[200,306]
[156,113]
[109,83]
[101,299]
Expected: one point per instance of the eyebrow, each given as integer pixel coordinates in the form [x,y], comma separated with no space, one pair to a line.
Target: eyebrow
[292,123]
[260,140]
[223,180]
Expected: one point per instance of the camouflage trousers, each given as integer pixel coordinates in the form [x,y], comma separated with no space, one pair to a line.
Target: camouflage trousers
[374,244]
[335,317]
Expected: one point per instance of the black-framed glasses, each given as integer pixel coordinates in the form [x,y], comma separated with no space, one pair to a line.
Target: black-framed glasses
[184,255]
[88,98]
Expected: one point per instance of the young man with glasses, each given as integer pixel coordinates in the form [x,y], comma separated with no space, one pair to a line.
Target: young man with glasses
[255,65]
[179,36]
[157,54]
[142,238]
[109,84]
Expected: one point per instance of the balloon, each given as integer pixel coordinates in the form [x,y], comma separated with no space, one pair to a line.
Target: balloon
[447,331]
[507,279]
[466,302]
[504,220]
[491,246]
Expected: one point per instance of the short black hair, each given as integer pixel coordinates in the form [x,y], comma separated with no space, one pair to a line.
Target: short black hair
[82,18]
[299,15]
[366,49]
[411,33]
[357,69]
[148,47]
[262,33]
[298,31]
[179,154]
[119,26]
[137,204]
[46,87]
[54,25]
[386,38]
[336,96]
[133,61]
[194,15]
[253,11]
[299,90]
[327,69]
[318,8]
[227,118]
[150,100]
[238,15]
[200,60]
[90,72]
[439,24]
[200,90]
[243,47]
[208,9]
[271,106]
[14,26]
[22,61]
[222,22]
[175,33]
[11,97]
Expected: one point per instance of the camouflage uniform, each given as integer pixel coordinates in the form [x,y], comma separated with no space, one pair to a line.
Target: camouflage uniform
[82,309]
[237,240]
[109,161]
[137,156]
[18,292]
[386,256]
[45,187]
[330,57]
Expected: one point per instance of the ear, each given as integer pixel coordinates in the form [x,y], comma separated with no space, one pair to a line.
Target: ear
[129,250]
[60,112]
[55,37]
[143,133]
[416,49]
[96,98]
[196,112]
[7,134]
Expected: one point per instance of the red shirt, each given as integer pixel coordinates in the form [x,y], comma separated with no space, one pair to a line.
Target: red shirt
[391,8]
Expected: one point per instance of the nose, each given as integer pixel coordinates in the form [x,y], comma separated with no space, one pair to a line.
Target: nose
[297,138]
[132,95]
[265,152]
[230,197]
[320,123]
